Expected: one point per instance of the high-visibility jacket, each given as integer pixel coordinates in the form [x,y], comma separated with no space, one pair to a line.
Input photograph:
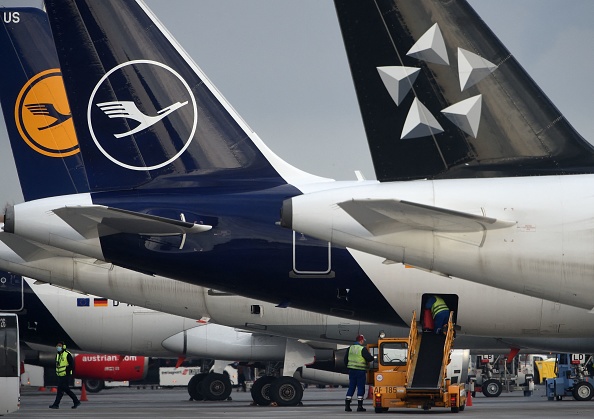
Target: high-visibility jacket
[438,306]
[356,360]
[62,363]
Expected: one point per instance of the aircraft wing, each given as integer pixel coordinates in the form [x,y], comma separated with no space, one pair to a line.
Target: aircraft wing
[87,220]
[386,216]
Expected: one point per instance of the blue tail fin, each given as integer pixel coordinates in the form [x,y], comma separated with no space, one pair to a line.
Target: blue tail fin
[144,113]
[441,97]
[35,107]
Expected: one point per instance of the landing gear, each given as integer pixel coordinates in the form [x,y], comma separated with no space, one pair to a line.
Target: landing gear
[261,390]
[286,391]
[194,389]
[216,386]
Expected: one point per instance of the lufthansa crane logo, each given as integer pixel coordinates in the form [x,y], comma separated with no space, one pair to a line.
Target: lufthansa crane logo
[43,117]
[142,115]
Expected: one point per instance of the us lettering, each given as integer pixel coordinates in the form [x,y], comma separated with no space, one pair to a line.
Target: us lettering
[11,17]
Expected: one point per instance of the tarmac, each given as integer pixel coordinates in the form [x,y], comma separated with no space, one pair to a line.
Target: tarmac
[141,402]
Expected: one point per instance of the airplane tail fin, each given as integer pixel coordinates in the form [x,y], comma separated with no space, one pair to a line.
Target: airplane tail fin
[36,111]
[441,97]
[145,114]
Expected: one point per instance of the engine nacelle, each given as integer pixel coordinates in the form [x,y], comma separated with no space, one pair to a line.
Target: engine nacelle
[315,376]
[110,367]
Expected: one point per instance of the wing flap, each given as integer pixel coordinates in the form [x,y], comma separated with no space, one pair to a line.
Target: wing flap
[387,216]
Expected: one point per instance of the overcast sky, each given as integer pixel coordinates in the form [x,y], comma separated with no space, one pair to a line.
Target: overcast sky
[282,65]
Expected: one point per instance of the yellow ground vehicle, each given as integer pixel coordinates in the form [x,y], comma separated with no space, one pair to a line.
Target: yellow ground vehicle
[411,372]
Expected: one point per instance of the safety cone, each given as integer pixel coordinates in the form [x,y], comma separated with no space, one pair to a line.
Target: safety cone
[469,398]
[42,388]
[54,390]
[370,392]
[83,393]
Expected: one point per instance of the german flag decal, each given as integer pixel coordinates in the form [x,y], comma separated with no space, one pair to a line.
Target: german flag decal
[100,302]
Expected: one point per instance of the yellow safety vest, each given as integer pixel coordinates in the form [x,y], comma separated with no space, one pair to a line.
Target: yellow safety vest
[356,360]
[62,363]
[438,306]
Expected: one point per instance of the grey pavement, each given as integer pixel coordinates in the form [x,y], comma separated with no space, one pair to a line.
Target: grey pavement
[328,403]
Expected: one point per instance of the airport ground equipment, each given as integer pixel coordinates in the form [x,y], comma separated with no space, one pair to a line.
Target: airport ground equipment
[573,378]
[10,381]
[512,372]
[412,371]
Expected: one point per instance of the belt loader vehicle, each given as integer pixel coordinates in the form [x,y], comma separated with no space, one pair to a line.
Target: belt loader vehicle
[411,372]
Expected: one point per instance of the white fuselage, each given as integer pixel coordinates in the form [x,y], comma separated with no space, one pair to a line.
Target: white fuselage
[548,252]
[482,311]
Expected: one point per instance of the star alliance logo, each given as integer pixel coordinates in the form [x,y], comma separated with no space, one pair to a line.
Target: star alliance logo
[399,81]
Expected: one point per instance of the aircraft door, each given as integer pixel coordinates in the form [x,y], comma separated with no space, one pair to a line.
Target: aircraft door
[451,301]
[311,257]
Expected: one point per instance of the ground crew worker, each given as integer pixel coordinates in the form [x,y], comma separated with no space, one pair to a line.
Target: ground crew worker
[356,360]
[439,311]
[64,368]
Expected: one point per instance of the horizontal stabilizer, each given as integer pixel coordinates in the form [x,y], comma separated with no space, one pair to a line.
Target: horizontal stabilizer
[106,220]
[385,216]
[25,249]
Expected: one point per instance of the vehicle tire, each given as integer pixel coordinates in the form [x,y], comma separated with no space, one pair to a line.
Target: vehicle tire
[194,387]
[94,386]
[261,390]
[583,391]
[379,410]
[455,409]
[463,407]
[492,388]
[286,391]
[216,386]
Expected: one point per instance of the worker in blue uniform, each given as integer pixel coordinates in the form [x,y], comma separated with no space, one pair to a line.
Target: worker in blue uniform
[356,360]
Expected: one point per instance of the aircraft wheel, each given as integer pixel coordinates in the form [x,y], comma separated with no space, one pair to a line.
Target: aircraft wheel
[492,388]
[286,391]
[261,390]
[216,386]
[583,391]
[194,387]
[94,386]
